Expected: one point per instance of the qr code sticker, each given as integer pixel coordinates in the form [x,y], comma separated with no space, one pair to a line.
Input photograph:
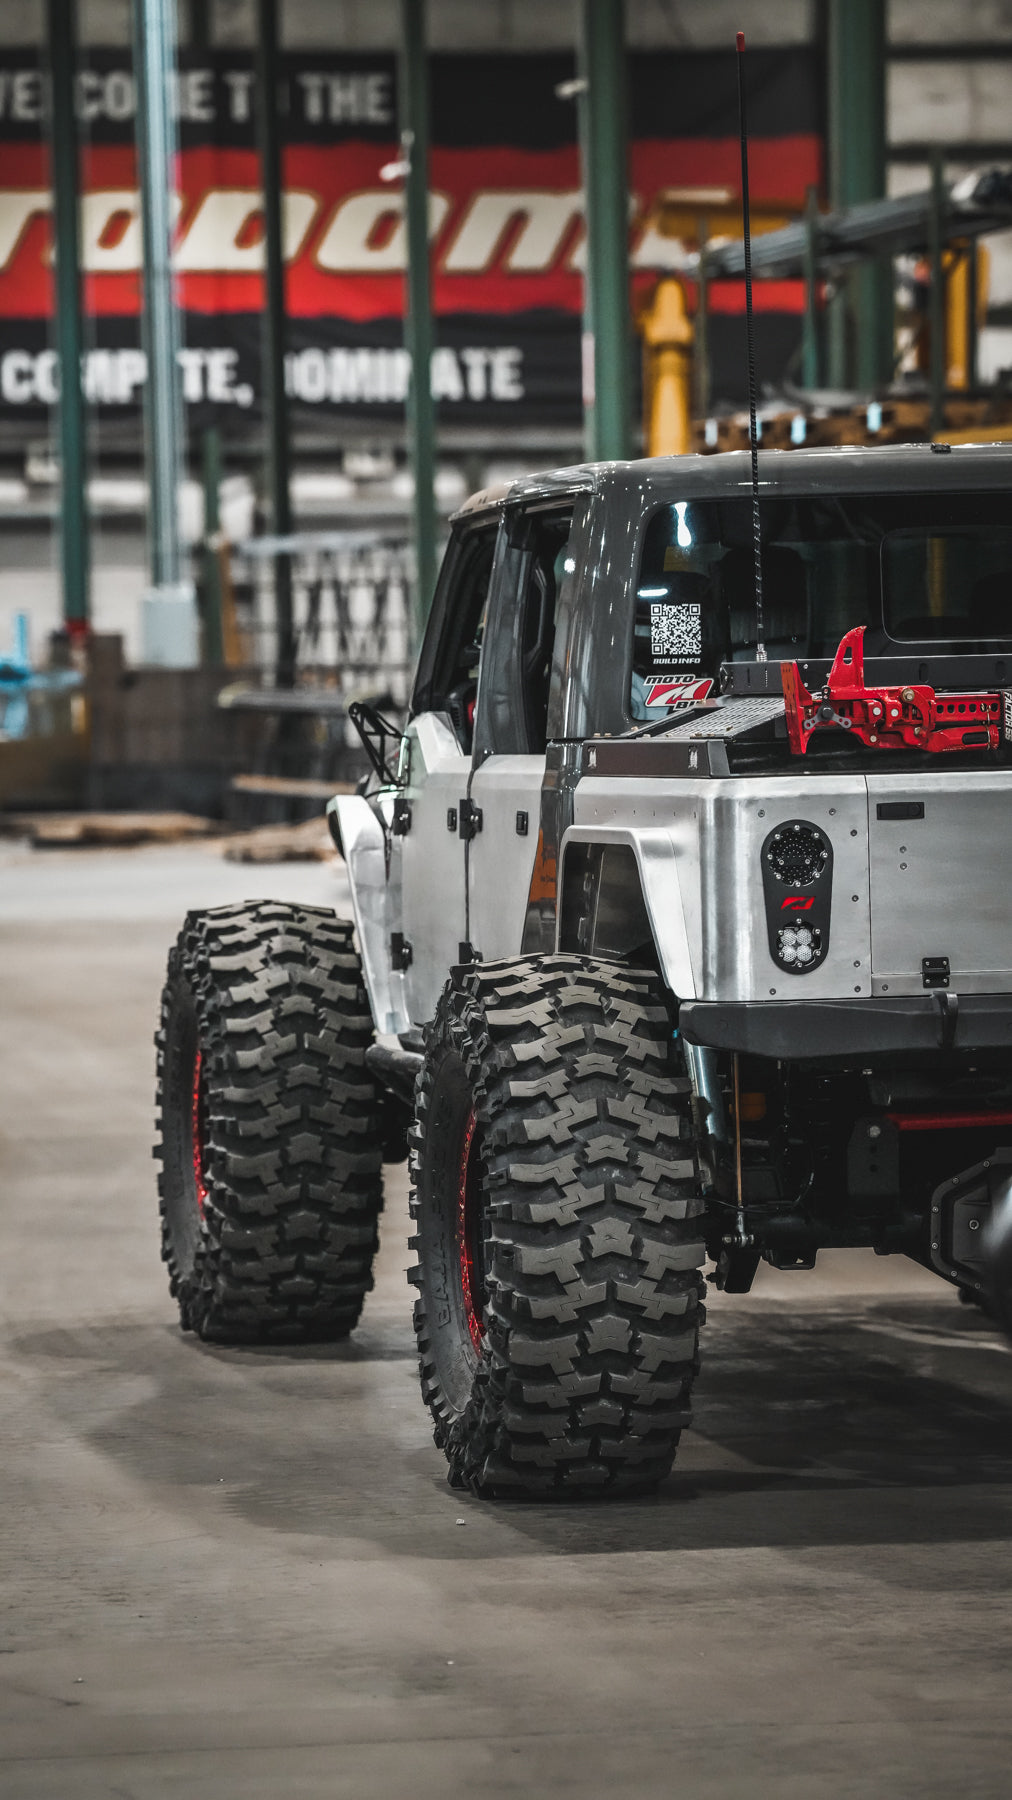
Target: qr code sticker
[676,632]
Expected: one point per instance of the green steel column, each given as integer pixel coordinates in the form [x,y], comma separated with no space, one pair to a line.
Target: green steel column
[199,21]
[701,340]
[864,355]
[275,396]
[937,297]
[972,305]
[213,642]
[838,334]
[810,325]
[61,29]
[155,62]
[607,321]
[413,109]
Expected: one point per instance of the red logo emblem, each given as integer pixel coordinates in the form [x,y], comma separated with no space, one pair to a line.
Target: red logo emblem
[797,903]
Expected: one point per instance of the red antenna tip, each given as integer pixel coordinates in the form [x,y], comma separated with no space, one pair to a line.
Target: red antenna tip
[741,40]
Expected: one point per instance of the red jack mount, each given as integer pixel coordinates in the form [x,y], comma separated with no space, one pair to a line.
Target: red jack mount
[894,718]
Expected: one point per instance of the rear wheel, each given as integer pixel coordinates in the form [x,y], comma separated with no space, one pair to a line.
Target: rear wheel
[557,1229]
[269,1127]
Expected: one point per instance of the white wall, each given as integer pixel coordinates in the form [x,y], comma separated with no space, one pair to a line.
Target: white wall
[119,578]
[453,24]
[950,102]
[949,21]
[528,24]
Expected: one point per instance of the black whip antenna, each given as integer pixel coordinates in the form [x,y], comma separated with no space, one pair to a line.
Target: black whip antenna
[753,436]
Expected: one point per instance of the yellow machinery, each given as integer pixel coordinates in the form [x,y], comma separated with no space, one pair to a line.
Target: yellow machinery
[674,362]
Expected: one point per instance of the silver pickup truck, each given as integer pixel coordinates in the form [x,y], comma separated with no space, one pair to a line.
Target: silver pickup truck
[666,952]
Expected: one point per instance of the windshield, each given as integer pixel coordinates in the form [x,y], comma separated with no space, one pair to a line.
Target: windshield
[932,571]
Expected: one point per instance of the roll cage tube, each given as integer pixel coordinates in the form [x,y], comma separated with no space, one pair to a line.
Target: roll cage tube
[593,641]
[471,563]
[515,715]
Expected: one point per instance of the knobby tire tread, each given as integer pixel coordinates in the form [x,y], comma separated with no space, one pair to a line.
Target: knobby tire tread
[593,1230]
[292,1133]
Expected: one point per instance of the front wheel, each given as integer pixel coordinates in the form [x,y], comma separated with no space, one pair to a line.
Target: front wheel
[557,1217]
[269,1126]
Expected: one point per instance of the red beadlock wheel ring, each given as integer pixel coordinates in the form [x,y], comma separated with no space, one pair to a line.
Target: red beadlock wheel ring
[197,1134]
[468,1229]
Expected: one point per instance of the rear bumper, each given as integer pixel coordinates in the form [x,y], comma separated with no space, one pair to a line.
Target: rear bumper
[794,1029]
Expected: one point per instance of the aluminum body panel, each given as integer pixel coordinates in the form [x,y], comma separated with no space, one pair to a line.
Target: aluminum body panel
[429,861]
[376,905]
[940,884]
[664,860]
[500,860]
[697,841]
[717,828]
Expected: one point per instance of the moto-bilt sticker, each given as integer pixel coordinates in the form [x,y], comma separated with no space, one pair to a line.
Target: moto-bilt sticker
[680,691]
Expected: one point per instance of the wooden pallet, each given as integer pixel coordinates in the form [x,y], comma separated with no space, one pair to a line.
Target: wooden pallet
[289,787]
[93,829]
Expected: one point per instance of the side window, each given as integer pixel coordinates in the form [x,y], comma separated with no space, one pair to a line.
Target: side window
[516,680]
[679,631]
[447,679]
[695,598]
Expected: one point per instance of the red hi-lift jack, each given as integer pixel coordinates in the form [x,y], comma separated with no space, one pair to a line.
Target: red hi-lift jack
[893,718]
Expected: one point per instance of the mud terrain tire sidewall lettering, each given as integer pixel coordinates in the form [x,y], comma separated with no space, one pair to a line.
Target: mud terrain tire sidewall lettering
[591,1220]
[271,1145]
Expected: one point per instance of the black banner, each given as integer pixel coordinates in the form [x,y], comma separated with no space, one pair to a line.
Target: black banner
[507,231]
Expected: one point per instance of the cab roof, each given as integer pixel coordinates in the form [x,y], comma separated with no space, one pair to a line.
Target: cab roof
[886,468]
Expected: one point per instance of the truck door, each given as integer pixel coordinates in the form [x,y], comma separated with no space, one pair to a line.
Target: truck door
[426,848]
[519,695]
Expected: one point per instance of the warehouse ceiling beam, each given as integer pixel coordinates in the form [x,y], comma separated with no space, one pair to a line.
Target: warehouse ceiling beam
[413,117]
[169,631]
[74,553]
[275,396]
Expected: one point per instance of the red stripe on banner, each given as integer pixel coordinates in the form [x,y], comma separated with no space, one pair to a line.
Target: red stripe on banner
[507,223]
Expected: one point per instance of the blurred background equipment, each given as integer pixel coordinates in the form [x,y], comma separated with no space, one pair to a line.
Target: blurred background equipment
[43,726]
[249,222]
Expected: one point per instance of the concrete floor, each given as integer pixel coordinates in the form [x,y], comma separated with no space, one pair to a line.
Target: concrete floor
[244,1575]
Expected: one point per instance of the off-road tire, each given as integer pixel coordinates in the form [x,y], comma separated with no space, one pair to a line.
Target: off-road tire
[585,1199]
[271,1142]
